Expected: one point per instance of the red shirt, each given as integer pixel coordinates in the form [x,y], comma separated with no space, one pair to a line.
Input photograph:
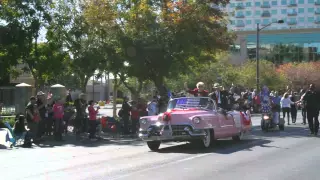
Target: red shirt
[196,92]
[135,114]
[92,113]
[58,111]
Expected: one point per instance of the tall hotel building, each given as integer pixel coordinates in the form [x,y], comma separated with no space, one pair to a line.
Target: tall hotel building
[297,39]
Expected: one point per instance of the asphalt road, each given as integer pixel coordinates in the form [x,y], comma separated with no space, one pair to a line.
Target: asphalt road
[291,154]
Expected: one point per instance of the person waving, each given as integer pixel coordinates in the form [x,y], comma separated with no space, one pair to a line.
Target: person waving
[199,91]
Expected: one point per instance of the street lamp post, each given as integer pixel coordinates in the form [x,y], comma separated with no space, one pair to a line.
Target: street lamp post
[258,47]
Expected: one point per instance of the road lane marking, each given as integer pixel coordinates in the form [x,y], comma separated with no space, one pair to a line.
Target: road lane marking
[187,159]
[176,162]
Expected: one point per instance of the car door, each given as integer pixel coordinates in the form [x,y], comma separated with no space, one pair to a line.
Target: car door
[227,124]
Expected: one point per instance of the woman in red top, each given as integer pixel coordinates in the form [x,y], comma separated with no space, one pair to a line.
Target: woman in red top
[58,113]
[92,119]
[199,91]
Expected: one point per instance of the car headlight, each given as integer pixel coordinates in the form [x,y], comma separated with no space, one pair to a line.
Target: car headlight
[266,117]
[143,121]
[196,120]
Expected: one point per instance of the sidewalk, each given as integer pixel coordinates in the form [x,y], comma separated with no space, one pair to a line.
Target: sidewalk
[83,140]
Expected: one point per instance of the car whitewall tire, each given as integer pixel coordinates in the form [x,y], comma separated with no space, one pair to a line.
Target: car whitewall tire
[207,139]
[238,137]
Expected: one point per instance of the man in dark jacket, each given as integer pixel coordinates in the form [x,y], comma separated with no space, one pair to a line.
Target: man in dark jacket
[312,100]
[220,96]
[80,120]
[125,115]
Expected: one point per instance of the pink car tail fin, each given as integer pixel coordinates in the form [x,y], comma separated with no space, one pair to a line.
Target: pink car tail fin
[246,120]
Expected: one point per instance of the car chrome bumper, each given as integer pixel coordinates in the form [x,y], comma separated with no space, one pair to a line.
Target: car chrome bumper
[168,135]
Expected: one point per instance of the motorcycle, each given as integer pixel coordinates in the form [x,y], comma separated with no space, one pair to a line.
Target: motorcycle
[272,120]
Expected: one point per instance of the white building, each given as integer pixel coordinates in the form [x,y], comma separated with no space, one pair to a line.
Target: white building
[301,28]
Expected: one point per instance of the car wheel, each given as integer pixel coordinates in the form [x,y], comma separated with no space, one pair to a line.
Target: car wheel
[207,139]
[281,127]
[154,145]
[238,137]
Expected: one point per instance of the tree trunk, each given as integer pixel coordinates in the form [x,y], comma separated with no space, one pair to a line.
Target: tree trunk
[36,85]
[115,94]
[83,83]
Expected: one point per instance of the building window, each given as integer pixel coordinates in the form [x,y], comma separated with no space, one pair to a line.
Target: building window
[310,1]
[274,20]
[232,5]
[274,11]
[292,11]
[248,22]
[292,19]
[301,1]
[248,4]
[301,10]
[239,14]
[257,4]
[258,13]
[266,3]
[283,11]
[283,2]
[310,19]
[292,2]
[257,21]
[311,10]
[301,19]
[274,3]
[248,13]
[232,22]
[265,22]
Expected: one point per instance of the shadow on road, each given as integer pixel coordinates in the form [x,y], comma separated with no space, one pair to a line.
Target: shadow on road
[219,146]
[291,131]
[49,142]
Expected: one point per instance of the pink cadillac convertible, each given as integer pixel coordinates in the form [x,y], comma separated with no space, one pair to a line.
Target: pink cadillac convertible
[193,119]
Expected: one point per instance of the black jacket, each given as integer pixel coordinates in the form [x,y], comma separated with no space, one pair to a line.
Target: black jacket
[312,100]
[224,98]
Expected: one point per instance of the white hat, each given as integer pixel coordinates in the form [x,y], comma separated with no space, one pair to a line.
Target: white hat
[40,93]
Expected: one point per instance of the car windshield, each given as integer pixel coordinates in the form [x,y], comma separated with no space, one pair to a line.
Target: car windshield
[191,102]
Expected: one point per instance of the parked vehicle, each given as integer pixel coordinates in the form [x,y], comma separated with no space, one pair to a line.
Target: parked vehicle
[193,119]
[271,120]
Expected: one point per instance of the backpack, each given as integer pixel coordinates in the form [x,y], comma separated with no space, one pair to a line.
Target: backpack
[120,113]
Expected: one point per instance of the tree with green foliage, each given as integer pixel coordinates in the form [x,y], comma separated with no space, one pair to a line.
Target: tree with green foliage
[70,30]
[160,39]
[268,75]
[219,71]
[26,19]
[223,72]
[49,64]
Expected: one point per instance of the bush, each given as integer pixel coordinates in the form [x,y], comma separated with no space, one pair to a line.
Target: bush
[268,75]
[119,100]
[301,74]
[10,120]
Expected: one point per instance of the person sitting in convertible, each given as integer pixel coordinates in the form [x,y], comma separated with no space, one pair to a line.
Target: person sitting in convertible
[199,91]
